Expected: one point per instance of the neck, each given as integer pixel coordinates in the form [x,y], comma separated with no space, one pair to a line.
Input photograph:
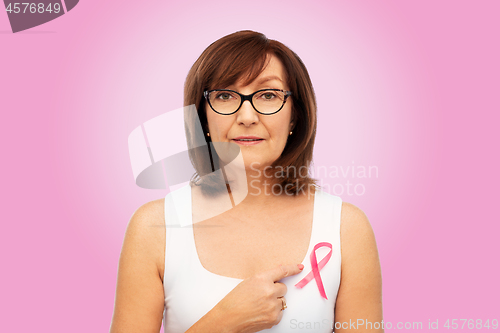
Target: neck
[254,187]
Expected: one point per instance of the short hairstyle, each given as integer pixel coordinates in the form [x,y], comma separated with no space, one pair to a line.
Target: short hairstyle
[243,55]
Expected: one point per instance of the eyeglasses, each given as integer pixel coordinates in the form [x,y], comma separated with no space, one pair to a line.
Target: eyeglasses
[265,101]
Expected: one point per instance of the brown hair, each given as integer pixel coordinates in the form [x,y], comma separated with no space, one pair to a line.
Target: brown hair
[244,55]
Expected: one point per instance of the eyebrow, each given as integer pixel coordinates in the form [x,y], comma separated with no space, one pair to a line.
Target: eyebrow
[264,79]
[270,78]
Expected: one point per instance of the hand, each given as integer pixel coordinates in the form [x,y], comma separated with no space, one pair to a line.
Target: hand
[254,304]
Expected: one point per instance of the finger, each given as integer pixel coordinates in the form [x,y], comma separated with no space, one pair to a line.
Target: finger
[280,289]
[280,316]
[283,271]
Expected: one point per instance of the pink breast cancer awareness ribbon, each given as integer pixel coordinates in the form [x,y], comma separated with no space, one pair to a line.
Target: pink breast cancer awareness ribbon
[316,268]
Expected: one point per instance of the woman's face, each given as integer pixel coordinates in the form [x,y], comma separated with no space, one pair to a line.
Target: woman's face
[273,129]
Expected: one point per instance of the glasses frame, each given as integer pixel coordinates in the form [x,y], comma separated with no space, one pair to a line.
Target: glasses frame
[244,98]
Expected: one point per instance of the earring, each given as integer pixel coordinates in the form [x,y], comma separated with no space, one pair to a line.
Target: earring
[208,134]
[290,133]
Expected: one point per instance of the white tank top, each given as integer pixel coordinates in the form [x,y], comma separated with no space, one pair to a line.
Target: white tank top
[191,291]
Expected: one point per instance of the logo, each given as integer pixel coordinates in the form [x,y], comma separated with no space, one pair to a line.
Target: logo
[26,15]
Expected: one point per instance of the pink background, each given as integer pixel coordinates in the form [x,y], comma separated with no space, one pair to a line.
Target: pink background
[411,87]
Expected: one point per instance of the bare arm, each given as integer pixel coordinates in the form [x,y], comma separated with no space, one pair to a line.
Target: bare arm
[139,297]
[360,292]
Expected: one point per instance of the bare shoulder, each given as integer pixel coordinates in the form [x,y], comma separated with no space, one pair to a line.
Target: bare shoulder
[150,213]
[357,243]
[147,227]
[355,228]
[148,219]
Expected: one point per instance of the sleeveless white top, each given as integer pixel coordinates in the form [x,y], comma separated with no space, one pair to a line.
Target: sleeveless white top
[191,290]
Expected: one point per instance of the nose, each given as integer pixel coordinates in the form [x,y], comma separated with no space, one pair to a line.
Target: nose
[247,115]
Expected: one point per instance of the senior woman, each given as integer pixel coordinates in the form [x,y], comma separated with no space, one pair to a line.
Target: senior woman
[285,256]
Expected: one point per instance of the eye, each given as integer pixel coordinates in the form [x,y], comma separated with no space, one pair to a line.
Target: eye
[224,96]
[267,95]
[270,96]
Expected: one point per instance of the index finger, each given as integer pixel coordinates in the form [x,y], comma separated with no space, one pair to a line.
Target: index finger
[283,271]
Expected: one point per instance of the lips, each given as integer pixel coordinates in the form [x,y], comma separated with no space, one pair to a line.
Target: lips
[248,138]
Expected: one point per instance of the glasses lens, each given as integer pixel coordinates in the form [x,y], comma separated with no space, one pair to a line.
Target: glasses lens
[224,101]
[268,101]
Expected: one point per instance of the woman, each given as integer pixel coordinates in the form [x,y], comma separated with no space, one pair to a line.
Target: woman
[244,265]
